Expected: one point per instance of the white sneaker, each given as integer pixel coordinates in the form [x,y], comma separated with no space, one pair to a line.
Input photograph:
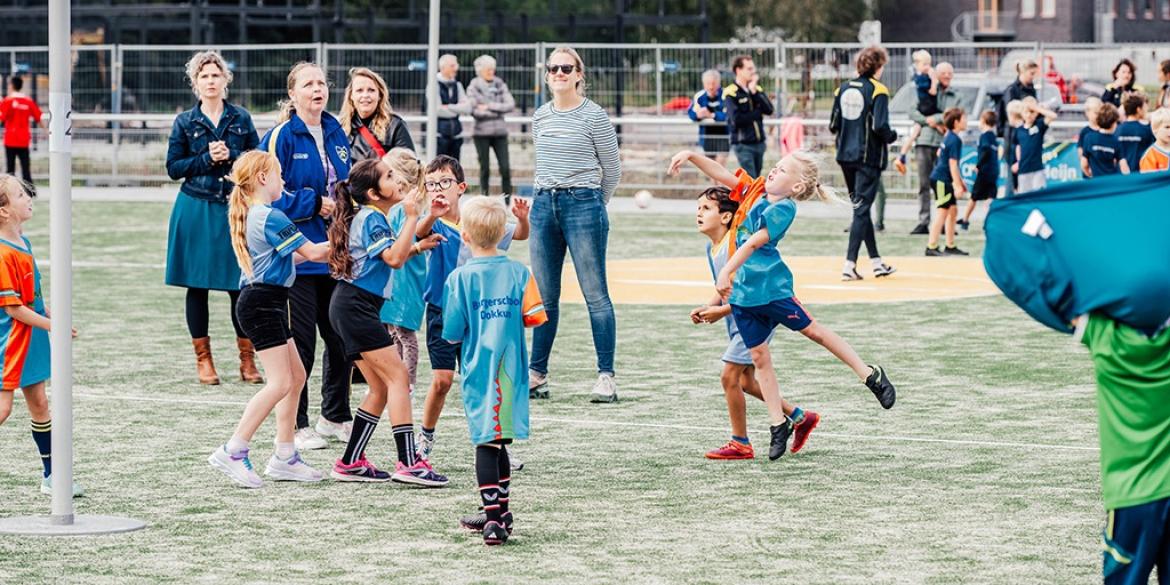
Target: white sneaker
[237,467]
[294,469]
[425,446]
[47,487]
[605,390]
[517,463]
[339,431]
[307,439]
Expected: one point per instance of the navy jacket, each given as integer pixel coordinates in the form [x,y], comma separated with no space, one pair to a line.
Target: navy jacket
[745,114]
[861,122]
[188,157]
[305,182]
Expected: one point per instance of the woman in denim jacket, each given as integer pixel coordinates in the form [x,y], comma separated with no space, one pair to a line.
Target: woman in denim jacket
[204,143]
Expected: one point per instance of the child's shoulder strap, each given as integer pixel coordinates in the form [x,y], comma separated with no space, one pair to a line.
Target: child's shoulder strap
[274,136]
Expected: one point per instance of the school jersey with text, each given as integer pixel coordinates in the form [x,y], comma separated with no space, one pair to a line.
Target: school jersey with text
[489,303]
[369,236]
[1135,138]
[451,254]
[1031,142]
[271,238]
[1104,154]
[764,277]
[25,348]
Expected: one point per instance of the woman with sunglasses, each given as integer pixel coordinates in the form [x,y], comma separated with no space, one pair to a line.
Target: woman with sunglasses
[577,171]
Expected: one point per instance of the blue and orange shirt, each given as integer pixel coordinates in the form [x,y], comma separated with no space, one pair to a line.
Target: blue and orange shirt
[764,277]
[369,236]
[26,348]
[406,288]
[489,302]
[451,254]
[271,238]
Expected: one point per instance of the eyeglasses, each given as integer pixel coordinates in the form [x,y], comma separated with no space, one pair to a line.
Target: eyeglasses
[565,69]
[441,185]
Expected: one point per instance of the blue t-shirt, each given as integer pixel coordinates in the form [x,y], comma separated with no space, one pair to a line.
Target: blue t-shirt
[950,149]
[764,277]
[1081,139]
[449,255]
[369,236]
[406,307]
[1104,153]
[987,165]
[1031,143]
[1135,139]
[271,239]
[489,302]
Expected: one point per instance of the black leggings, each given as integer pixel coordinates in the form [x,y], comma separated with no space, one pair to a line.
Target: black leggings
[197,314]
[863,182]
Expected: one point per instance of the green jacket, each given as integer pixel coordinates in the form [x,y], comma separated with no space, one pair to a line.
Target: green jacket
[947,98]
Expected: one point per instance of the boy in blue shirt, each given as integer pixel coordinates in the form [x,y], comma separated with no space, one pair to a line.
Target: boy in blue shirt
[488,302]
[445,182]
[986,185]
[948,184]
[1134,133]
[1102,151]
[1092,106]
[1030,146]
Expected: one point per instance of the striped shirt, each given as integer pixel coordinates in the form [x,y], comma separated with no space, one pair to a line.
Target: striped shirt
[576,148]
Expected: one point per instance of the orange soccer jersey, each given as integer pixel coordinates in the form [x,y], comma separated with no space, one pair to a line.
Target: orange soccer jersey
[1155,159]
[24,350]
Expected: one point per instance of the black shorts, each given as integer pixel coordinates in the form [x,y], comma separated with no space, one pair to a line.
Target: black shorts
[355,316]
[263,314]
[714,144]
[944,195]
[982,191]
[444,354]
[928,106]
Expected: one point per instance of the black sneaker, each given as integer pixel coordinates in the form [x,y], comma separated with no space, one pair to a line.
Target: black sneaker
[780,434]
[954,251]
[881,227]
[494,534]
[539,390]
[920,230]
[880,385]
[934,252]
[476,522]
[965,225]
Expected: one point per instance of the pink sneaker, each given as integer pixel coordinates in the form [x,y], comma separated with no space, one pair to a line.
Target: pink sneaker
[361,470]
[420,474]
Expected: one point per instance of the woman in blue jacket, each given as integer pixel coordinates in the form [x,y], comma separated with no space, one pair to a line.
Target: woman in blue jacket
[314,155]
[204,143]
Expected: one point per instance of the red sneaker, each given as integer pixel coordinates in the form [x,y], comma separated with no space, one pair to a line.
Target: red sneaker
[802,430]
[732,450]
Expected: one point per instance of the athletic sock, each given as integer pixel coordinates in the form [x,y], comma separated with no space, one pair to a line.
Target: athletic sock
[741,440]
[487,475]
[877,262]
[42,435]
[236,445]
[364,424]
[285,451]
[849,266]
[504,467]
[429,434]
[404,442]
[797,416]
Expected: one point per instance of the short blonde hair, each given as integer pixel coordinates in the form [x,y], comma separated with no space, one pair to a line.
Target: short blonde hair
[921,55]
[1159,119]
[484,220]
[199,61]
[484,62]
[1093,103]
[1015,110]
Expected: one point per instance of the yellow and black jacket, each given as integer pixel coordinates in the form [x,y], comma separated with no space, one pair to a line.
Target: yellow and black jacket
[861,122]
[745,114]
[1114,93]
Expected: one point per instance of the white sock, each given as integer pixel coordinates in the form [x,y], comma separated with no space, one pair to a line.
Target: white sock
[849,267]
[285,451]
[877,262]
[236,445]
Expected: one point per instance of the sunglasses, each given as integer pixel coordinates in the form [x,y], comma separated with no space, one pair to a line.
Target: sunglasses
[441,185]
[565,69]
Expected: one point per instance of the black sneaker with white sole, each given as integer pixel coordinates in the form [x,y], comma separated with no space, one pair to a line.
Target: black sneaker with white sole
[476,522]
[934,252]
[954,251]
[780,434]
[880,385]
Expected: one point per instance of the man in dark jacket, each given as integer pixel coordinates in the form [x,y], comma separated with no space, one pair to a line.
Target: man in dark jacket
[861,123]
[746,107]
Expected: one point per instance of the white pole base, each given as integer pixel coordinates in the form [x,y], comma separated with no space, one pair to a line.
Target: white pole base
[83,525]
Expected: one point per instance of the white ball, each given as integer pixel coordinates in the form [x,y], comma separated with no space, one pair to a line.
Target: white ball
[643,198]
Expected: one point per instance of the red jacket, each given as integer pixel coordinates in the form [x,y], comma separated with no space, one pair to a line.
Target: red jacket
[16,113]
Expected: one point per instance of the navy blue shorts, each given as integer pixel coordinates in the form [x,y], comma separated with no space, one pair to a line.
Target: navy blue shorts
[444,354]
[1136,540]
[756,323]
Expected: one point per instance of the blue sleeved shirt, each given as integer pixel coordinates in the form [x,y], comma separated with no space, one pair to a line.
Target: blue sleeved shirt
[950,149]
[1031,142]
[271,239]
[449,255]
[406,306]
[1135,139]
[764,277]
[987,165]
[1104,153]
[369,236]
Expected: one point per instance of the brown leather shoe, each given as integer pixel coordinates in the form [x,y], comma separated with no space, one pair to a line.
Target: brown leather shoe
[248,372]
[203,363]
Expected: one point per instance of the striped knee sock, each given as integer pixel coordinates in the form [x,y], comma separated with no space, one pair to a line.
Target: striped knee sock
[42,435]
[404,441]
[504,467]
[487,474]
[364,424]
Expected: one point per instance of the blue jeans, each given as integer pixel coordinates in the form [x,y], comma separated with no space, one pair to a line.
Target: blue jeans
[573,220]
[751,157]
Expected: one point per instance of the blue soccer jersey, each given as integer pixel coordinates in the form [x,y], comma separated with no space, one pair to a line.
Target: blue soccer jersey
[406,307]
[489,302]
[1135,138]
[271,240]
[764,277]
[451,254]
[1031,142]
[369,236]
[950,149]
[1104,154]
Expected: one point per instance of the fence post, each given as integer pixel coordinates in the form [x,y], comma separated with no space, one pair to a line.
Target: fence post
[778,64]
[323,57]
[658,80]
[1043,65]
[116,107]
[538,78]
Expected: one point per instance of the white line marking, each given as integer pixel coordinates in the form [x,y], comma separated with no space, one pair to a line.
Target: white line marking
[611,423]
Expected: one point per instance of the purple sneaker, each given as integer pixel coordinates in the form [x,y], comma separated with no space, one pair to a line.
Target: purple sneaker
[420,474]
[361,470]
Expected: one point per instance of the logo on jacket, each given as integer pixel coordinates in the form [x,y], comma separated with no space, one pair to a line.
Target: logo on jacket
[342,153]
[852,104]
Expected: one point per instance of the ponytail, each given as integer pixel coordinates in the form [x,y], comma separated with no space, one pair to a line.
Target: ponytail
[810,187]
[350,194]
[245,173]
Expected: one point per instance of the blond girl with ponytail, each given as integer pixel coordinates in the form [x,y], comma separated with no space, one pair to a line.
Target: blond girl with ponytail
[404,315]
[267,245]
[759,286]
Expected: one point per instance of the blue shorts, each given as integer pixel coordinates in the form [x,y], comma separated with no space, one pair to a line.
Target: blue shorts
[736,352]
[1136,540]
[757,323]
[444,355]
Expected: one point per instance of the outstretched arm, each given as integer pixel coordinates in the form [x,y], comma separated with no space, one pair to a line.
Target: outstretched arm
[708,167]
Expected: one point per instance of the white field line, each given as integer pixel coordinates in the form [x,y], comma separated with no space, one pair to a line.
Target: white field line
[612,423]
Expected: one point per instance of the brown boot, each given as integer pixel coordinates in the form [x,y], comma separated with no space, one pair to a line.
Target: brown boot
[248,372]
[203,361]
